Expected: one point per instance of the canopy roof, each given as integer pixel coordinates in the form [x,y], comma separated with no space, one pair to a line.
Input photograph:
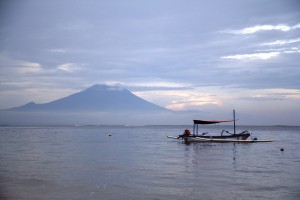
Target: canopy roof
[211,121]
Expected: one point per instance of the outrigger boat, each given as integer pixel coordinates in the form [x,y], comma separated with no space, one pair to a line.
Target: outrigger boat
[225,136]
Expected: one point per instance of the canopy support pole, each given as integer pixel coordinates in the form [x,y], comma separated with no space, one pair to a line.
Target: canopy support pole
[194,129]
[234,122]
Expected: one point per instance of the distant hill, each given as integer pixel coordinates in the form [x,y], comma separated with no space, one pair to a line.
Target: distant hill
[98,98]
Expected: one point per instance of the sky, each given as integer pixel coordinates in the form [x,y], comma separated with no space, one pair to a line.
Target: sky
[209,56]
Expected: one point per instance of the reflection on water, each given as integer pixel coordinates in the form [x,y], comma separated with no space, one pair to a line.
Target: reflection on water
[142,163]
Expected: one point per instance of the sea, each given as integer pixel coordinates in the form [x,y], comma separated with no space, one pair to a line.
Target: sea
[140,162]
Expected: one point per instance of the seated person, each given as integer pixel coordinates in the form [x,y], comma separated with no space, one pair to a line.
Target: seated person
[186,133]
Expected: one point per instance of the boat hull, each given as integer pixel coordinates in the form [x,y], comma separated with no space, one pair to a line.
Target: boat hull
[207,138]
[198,139]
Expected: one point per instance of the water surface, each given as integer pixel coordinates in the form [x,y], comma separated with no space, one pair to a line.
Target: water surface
[67,162]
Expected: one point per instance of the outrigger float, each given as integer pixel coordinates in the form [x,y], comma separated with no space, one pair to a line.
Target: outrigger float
[225,136]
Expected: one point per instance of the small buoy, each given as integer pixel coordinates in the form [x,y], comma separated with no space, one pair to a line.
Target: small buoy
[109,135]
[281,149]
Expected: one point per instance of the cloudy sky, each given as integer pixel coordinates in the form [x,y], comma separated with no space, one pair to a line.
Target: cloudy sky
[210,56]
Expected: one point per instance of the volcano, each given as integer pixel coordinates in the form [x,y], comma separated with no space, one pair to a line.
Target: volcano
[98,98]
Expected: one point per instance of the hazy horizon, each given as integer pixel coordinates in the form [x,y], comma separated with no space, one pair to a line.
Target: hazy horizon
[110,105]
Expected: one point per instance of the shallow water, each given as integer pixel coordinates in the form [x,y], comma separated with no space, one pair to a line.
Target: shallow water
[68,162]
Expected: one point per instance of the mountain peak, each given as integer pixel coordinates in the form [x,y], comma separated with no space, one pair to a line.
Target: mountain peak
[104,87]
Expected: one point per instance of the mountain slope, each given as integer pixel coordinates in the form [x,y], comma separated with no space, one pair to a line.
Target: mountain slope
[96,98]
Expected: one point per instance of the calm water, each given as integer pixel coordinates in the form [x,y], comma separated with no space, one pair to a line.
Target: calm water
[141,163]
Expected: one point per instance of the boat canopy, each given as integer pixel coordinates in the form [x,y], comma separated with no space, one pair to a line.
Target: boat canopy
[211,121]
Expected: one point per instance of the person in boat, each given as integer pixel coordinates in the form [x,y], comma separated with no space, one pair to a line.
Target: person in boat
[186,133]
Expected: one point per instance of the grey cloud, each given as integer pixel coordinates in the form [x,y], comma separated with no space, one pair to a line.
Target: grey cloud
[171,41]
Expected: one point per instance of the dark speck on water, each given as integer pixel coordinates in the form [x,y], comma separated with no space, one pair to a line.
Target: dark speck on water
[81,162]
